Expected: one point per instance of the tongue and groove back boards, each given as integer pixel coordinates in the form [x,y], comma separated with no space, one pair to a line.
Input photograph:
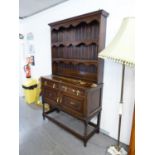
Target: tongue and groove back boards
[75,44]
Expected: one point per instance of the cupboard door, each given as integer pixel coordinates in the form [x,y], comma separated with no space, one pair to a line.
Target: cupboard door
[51,96]
[72,105]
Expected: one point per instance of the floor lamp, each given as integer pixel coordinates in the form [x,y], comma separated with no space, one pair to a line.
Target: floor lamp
[121,50]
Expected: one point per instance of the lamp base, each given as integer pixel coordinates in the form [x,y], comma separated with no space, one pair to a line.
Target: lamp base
[116,150]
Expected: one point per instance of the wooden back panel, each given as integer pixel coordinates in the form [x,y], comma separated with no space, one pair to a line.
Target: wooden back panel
[75,44]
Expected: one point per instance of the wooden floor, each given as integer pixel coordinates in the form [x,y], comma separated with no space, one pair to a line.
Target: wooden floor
[41,137]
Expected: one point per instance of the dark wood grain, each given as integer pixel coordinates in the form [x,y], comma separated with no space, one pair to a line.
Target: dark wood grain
[76,84]
[81,37]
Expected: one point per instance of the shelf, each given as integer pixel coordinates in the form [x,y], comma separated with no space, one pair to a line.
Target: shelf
[65,120]
[75,43]
[76,61]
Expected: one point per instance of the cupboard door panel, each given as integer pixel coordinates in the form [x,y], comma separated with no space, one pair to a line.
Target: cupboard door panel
[71,104]
[51,94]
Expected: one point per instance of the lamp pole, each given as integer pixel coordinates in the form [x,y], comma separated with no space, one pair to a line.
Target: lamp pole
[121,103]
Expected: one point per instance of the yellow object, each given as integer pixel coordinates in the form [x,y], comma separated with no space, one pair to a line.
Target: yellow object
[38,91]
[39,103]
[30,91]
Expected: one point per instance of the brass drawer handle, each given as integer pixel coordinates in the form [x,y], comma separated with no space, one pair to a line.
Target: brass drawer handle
[60,99]
[77,92]
[57,99]
[64,87]
[73,90]
[54,85]
[72,103]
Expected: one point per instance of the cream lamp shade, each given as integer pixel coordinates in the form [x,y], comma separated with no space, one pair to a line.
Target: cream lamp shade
[121,48]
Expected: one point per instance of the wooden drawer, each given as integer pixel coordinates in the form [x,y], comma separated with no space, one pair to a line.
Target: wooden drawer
[72,105]
[50,84]
[51,94]
[72,90]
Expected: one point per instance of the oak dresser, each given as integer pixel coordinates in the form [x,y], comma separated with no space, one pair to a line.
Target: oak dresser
[75,86]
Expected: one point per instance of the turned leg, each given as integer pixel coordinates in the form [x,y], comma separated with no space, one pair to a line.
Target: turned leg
[98,122]
[85,133]
[43,114]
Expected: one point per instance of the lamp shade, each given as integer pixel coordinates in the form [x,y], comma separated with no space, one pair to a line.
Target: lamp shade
[121,48]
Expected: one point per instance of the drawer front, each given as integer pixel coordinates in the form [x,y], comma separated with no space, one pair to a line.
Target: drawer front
[72,90]
[50,84]
[51,94]
[72,105]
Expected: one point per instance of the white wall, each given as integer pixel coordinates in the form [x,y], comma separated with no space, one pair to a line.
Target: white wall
[21,59]
[38,24]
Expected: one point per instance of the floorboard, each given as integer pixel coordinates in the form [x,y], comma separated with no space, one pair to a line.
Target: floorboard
[41,137]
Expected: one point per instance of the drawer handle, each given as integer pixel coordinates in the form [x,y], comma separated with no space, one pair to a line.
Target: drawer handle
[72,103]
[77,92]
[57,99]
[64,87]
[45,83]
[54,85]
[73,90]
[60,99]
